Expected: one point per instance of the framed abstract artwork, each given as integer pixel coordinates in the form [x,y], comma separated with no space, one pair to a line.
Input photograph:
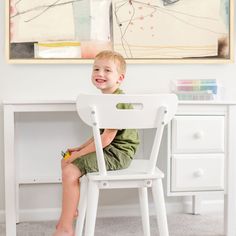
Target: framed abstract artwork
[143,31]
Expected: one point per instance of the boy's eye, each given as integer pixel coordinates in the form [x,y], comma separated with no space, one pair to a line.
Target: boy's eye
[107,70]
[96,69]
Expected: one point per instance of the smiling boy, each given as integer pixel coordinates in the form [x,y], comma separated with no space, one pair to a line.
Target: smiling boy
[119,146]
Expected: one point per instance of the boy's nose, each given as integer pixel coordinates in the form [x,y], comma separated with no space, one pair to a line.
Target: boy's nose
[101,73]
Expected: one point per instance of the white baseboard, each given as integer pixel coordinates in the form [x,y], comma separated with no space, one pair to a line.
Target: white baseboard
[117,211]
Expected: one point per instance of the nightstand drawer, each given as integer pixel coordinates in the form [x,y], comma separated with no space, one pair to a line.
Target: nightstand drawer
[197,172]
[198,134]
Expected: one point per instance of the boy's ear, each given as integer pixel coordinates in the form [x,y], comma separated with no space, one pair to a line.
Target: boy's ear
[121,78]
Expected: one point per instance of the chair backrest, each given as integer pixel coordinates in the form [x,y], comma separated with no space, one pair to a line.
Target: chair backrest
[149,111]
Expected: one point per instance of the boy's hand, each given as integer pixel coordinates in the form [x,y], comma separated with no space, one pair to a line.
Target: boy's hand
[69,157]
[73,155]
[67,161]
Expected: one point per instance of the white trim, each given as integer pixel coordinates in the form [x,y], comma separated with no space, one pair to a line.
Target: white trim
[46,214]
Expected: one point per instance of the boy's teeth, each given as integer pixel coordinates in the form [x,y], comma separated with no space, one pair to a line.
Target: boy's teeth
[100,80]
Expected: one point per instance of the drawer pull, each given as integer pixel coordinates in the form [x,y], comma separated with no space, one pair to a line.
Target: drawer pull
[198,173]
[199,135]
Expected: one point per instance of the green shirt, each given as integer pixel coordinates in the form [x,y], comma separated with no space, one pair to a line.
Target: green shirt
[126,140]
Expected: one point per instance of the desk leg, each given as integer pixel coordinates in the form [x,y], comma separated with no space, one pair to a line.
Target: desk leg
[17,201]
[230,202]
[10,182]
[196,204]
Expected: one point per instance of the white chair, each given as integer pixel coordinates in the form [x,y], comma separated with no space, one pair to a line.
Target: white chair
[100,112]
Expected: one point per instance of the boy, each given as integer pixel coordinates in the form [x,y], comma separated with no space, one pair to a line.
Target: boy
[119,146]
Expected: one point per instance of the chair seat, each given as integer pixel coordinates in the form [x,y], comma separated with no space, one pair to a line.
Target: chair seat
[136,171]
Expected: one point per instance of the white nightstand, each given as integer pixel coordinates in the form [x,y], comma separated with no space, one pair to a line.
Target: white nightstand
[201,152]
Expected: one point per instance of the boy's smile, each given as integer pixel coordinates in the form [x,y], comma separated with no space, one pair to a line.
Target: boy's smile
[105,75]
[100,80]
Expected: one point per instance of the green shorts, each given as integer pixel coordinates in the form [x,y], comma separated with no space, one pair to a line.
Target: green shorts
[114,160]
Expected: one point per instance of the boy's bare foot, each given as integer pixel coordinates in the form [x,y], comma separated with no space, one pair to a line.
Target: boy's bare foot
[75,216]
[63,233]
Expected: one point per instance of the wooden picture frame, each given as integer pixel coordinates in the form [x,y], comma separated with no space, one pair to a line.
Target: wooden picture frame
[143,32]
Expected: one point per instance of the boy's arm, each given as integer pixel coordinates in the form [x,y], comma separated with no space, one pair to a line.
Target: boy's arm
[106,138]
[81,146]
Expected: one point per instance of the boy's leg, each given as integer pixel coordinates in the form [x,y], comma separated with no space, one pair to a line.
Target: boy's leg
[70,199]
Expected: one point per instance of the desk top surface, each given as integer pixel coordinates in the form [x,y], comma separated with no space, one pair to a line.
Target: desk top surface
[71,102]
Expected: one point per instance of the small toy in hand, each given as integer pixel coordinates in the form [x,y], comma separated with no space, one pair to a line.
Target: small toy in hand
[65,155]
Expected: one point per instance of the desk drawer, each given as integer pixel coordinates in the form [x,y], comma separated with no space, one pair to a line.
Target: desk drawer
[197,172]
[198,134]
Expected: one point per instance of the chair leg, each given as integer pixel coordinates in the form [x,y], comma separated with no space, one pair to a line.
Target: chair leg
[82,206]
[143,198]
[93,194]
[159,201]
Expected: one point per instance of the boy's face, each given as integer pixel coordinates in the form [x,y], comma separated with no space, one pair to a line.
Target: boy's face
[105,75]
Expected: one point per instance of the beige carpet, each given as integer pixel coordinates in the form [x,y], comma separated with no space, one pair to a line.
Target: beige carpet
[179,225]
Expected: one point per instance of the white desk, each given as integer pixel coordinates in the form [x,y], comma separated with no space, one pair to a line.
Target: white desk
[12,107]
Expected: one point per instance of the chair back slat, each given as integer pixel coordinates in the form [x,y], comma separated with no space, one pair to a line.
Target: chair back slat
[98,142]
[143,114]
[157,140]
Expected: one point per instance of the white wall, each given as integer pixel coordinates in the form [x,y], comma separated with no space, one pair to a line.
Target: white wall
[66,81]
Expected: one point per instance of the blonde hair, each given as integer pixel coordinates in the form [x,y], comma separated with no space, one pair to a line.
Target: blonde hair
[114,56]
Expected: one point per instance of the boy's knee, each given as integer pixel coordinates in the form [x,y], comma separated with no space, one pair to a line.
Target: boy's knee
[70,173]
